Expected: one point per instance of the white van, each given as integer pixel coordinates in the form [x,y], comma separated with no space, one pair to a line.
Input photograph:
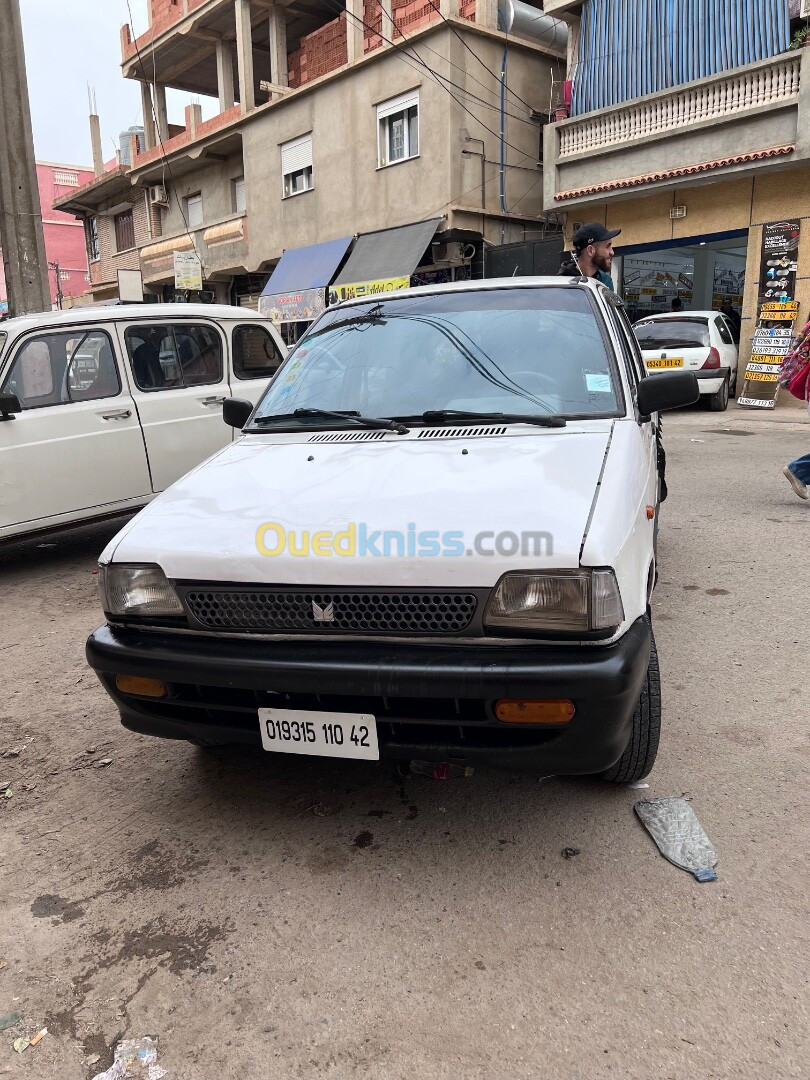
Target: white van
[435,539]
[103,407]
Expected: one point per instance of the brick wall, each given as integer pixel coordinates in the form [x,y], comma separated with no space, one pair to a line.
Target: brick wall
[320,52]
[106,267]
[185,135]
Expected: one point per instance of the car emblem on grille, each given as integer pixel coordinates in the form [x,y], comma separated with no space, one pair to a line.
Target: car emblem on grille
[323,614]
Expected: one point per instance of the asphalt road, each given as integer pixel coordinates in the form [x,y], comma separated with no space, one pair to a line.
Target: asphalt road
[297,918]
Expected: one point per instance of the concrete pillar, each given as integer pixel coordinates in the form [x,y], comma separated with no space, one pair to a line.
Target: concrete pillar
[21,237]
[449,8]
[387,12]
[193,119]
[148,116]
[162,113]
[486,13]
[703,280]
[95,142]
[225,75]
[278,47]
[244,56]
[354,29]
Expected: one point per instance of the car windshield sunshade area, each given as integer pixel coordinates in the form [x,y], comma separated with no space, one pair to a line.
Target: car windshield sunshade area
[524,351]
[673,334]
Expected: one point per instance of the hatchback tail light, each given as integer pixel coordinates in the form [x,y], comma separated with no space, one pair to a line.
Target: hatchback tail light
[712,360]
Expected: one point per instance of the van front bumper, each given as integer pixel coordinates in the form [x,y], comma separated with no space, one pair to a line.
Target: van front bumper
[432,702]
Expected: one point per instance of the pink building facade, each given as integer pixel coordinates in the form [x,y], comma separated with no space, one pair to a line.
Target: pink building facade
[64,236]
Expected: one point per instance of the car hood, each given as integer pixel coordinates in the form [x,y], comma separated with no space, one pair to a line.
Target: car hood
[495,489]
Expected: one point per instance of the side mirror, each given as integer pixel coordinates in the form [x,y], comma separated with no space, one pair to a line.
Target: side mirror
[669,390]
[236,412]
[9,403]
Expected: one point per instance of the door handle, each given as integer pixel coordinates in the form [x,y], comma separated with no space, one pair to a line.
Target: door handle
[213,400]
[121,414]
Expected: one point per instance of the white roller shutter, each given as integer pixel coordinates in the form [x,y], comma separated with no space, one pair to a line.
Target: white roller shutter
[398,104]
[296,155]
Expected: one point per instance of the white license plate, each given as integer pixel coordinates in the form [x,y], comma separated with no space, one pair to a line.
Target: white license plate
[319,734]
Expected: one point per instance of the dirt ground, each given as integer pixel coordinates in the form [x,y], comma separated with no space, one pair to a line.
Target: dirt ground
[288,918]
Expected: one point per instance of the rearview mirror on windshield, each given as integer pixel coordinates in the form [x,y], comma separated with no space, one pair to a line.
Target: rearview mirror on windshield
[667,390]
[236,412]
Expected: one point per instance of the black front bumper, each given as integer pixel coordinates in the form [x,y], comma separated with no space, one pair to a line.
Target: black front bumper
[432,702]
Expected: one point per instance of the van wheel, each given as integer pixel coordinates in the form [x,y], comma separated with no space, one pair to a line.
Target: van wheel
[718,402]
[639,755]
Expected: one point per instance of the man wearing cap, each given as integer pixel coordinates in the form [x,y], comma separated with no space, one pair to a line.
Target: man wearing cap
[592,255]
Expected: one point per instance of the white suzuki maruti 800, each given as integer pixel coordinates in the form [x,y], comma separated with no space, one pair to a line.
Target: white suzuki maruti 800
[435,539]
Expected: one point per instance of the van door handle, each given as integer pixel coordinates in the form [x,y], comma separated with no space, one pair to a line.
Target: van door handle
[213,400]
[121,414]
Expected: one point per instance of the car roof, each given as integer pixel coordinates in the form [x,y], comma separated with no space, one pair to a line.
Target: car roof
[477,286]
[679,316]
[124,313]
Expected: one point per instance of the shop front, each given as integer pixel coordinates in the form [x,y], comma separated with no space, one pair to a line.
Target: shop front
[386,260]
[296,293]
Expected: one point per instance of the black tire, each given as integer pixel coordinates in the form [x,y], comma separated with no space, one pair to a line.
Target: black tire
[718,402]
[639,755]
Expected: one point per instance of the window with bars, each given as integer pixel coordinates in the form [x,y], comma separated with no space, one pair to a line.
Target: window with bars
[398,129]
[124,231]
[194,210]
[296,166]
[65,178]
[91,238]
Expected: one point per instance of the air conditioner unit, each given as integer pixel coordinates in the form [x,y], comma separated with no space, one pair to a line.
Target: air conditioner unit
[447,254]
[158,196]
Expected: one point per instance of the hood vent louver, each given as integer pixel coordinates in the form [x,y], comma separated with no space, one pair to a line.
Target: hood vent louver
[348,436]
[459,432]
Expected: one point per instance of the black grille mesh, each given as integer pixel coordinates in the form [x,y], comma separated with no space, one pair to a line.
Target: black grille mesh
[351,612]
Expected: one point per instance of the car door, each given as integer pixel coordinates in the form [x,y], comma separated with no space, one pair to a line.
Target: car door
[725,345]
[75,448]
[256,355]
[179,380]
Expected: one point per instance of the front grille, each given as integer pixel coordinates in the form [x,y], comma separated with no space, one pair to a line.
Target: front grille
[347,612]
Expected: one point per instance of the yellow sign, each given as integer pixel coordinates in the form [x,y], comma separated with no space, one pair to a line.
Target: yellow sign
[649,292]
[760,376]
[777,316]
[781,305]
[367,288]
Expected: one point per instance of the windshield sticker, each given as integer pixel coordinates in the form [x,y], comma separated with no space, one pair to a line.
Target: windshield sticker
[597,383]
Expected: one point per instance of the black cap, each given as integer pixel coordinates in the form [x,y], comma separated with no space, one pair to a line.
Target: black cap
[594,233]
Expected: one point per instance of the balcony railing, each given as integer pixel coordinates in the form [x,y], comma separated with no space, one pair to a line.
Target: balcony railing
[722,96]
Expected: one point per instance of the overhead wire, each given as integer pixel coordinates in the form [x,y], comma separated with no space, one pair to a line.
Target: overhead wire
[165,159]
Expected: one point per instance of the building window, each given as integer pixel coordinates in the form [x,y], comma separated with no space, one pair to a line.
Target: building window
[398,129]
[238,192]
[124,231]
[91,238]
[63,178]
[194,211]
[296,166]
[64,275]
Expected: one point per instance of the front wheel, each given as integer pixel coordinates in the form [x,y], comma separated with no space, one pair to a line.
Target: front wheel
[718,402]
[639,755]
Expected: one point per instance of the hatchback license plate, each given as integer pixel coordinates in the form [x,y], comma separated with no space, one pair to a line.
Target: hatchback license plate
[666,362]
[319,734]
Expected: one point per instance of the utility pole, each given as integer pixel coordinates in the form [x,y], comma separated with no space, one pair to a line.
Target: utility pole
[57,270]
[21,235]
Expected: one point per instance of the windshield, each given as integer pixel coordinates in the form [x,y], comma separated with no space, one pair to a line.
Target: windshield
[535,351]
[673,334]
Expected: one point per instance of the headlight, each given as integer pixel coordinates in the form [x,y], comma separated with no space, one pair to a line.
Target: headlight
[137,590]
[560,601]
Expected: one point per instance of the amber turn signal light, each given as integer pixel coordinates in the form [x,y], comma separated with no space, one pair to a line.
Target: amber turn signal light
[132,684]
[511,711]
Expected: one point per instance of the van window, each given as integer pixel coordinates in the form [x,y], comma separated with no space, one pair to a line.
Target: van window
[57,369]
[255,353]
[168,356]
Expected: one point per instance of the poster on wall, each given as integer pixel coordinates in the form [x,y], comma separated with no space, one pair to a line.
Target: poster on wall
[777,309]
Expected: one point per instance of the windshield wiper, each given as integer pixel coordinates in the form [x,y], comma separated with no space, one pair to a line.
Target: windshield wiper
[469,416]
[354,417]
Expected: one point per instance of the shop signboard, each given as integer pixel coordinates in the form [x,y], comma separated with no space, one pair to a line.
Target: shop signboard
[303,306]
[777,311]
[367,288]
